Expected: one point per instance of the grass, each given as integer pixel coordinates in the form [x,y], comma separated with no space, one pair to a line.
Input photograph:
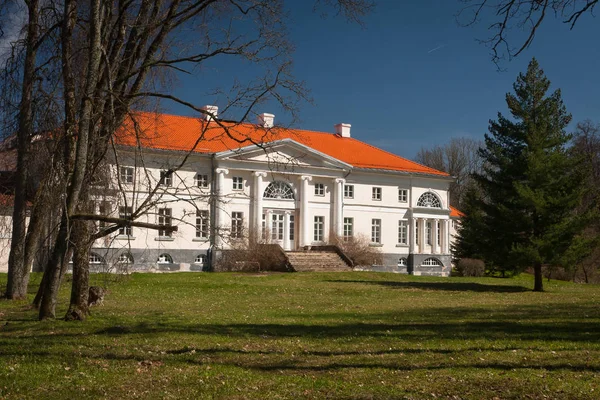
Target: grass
[314,335]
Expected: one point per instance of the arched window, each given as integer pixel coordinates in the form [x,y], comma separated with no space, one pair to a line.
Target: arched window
[200,259]
[402,262]
[431,262]
[165,259]
[95,259]
[429,200]
[125,258]
[279,190]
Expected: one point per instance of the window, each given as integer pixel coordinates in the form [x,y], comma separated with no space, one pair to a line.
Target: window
[238,183]
[431,262]
[237,224]
[402,232]
[438,233]
[402,195]
[164,219]
[417,240]
[125,213]
[376,193]
[200,259]
[402,262]
[348,228]
[279,190]
[95,259]
[202,224]
[202,180]
[291,228]
[264,227]
[125,258]
[104,210]
[428,232]
[348,191]
[166,178]
[319,189]
[164,259]
[318,229]
[429,200]
[126,175]
[376,231]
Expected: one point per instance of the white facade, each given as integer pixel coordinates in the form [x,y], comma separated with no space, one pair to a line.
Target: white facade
[301,196]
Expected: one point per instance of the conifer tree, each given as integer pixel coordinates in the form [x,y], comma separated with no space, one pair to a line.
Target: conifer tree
[530,186]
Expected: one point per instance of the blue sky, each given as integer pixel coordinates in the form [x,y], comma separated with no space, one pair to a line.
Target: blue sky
[412,77]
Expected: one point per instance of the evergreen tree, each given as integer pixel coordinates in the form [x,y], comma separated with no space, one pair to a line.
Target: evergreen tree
[530,186]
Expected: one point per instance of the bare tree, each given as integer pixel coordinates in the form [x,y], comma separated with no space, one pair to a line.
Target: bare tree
[459,158]
[524,16]
[110,57]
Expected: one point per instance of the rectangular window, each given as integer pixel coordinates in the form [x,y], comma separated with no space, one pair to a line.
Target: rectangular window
[319,189]
[439,232]
[318,229]
[238,183]
[417,240]
[201,181]
[166,178]
[348,191]
[348,228]
[164,219]
[104,210]
[291,228]
[126,175]
[428,232]
[124,213]
[202,224]
[402,195]
[376,193]
[376,231]
[237,224]
[402,232]
[264,227]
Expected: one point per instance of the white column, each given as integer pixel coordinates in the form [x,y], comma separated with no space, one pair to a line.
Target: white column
[220,207]
[305,222]
[447,223]
[286,230]
[258,208]
[434,234]
[422,234]
[339,206]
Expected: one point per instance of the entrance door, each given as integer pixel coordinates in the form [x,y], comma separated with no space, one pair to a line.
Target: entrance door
[277,228]
[281,228]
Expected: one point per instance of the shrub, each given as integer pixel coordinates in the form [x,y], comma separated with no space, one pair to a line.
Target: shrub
[470,267]
[251,255]
[359,249]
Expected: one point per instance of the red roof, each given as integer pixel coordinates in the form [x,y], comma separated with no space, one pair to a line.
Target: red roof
[456,213]
[171,132]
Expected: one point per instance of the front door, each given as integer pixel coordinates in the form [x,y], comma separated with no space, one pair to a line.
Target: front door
[281,228]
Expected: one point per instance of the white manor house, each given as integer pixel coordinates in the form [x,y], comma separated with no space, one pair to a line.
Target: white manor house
[218,181]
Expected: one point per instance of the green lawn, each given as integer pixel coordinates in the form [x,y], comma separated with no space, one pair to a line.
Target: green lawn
[313,335]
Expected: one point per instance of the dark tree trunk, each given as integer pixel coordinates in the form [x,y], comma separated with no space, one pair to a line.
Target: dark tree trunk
[78,309]
[538,285]
[18,270]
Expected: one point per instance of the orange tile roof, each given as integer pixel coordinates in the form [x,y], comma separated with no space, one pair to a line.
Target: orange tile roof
[171,132]
[454,212]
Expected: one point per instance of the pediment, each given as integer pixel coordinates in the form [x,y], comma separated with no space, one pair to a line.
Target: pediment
[285,152]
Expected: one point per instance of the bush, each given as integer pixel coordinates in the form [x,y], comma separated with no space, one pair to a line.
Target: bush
[252,255]
[470,267]
[359,249]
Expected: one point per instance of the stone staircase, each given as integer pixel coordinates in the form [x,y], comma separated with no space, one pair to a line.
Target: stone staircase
[317,261]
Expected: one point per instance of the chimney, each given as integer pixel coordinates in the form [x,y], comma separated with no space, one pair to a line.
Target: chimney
[342,129]
[214,110]
[266,120]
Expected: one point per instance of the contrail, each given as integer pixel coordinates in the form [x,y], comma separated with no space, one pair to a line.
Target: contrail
[436,48]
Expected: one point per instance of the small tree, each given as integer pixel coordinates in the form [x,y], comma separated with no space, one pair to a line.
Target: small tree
[358,248]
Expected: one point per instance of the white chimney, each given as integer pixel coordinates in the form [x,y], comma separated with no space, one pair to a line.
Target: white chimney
[214,110]
[266,120]
[342,129]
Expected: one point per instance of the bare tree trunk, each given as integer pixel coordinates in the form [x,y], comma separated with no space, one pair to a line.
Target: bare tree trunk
[18,270]
[78,309]
[538,285]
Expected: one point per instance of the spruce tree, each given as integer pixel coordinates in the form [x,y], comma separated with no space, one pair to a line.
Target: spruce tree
[530,186]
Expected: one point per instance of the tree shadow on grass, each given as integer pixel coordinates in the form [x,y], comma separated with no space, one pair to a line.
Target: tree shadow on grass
[443,286]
